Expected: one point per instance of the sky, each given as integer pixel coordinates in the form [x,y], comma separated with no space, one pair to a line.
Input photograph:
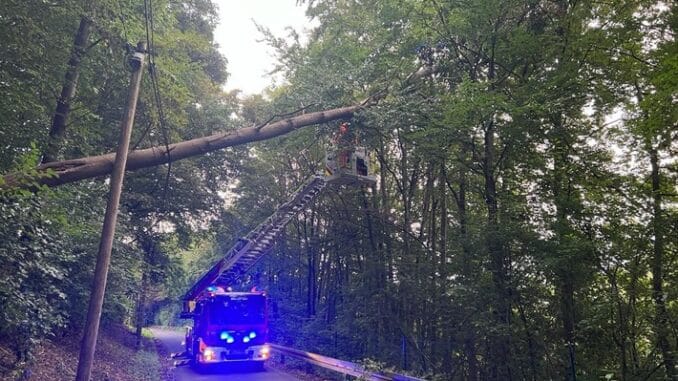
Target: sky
[236,34]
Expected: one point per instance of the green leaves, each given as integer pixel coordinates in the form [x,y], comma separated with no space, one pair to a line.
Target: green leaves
[33,278]
[498,199]
[502,235]
[48,238]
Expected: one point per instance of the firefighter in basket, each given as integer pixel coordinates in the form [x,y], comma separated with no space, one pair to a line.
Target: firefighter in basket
[345,140]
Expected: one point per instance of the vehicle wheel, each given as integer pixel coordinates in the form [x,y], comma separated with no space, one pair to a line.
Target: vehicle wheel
[258,366]
[198,367]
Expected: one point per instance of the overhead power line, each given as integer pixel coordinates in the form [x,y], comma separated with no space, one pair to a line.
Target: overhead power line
[150,38]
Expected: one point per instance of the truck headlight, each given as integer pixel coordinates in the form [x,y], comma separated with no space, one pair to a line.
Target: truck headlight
[265,352]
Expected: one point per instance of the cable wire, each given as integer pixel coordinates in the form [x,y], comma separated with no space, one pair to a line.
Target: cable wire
[150,41]
[122,19]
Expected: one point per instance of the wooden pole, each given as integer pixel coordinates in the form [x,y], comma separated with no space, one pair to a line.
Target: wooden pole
[105,245]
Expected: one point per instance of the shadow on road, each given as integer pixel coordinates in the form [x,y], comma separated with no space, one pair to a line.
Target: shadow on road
[229,368]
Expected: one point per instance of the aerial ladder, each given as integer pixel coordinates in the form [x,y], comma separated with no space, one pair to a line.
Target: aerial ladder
[343,167]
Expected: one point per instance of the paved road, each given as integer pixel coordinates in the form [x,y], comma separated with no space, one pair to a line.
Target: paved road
[172,341]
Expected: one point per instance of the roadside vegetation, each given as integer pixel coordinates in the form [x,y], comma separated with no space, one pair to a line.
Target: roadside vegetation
[523,225]
[117,359]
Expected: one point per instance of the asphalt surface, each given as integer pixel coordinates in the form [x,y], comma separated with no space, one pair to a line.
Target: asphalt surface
[229,372]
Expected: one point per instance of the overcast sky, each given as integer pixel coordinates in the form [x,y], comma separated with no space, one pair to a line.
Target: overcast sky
[249,60]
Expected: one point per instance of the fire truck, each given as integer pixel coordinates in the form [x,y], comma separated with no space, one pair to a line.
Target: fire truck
[228,326]
[233,326]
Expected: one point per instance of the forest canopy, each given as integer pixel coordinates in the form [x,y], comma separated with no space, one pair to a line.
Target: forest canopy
[523,226]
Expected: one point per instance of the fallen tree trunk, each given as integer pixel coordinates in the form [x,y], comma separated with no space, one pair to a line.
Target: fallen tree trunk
[69,171]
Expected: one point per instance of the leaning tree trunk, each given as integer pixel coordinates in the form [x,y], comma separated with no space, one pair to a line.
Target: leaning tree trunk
[68,171]
[63,108]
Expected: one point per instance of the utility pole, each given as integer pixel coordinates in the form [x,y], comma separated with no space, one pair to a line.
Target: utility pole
[96,300]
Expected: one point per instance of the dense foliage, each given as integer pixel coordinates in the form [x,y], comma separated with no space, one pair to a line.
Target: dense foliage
[50,237]
[523,225]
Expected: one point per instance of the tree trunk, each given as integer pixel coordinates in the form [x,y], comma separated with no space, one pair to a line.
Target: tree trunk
[620,335]
[565,273]
[463,220]
[141,305]
[499,351]
[469,337]
[529,337]
[312,262]
[63,108]
[385,213]
[442,181]
[567,312]
[69,171]
[661,321]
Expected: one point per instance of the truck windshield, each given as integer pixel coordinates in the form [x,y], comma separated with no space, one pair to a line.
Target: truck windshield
[246,309]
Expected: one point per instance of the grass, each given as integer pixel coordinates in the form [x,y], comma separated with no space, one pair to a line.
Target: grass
[145,366]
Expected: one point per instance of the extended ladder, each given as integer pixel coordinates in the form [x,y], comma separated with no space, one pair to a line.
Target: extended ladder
[249,249]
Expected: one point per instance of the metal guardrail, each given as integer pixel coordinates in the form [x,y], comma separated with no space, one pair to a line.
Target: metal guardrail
[341,366]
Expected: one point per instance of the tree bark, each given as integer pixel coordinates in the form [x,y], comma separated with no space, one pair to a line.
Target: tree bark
[69,171]
[63,108]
